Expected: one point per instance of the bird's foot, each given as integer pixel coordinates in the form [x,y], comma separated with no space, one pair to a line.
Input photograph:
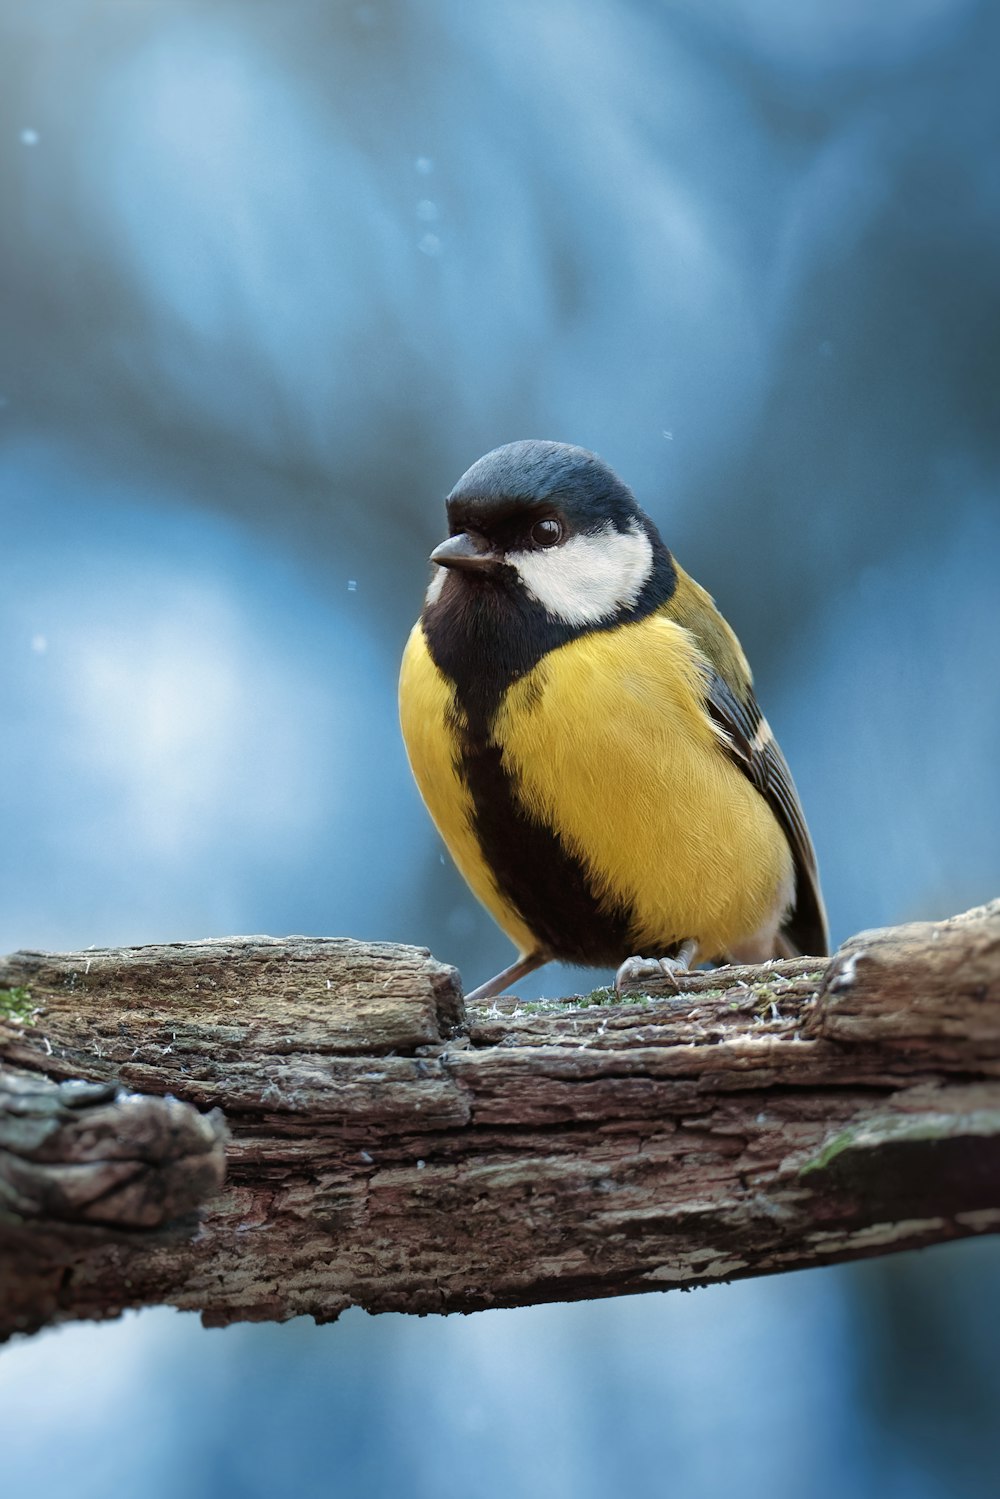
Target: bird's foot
[634,972]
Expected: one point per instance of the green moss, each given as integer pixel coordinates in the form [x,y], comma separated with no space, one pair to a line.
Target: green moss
[611,997]
[607,996]
[884,1130]
[759,996]
[830,1151]
[15,1004]
[576,1002]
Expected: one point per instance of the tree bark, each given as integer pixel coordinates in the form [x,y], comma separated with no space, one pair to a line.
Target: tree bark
[257,1128]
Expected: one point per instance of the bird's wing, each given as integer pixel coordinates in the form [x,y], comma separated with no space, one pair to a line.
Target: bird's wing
[747,738]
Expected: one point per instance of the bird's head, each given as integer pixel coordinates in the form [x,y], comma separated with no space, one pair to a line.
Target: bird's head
[553,523]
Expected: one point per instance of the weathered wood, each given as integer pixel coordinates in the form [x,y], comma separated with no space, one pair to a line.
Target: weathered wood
[390,1148]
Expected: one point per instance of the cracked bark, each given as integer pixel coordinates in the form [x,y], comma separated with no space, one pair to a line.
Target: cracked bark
[383,1145]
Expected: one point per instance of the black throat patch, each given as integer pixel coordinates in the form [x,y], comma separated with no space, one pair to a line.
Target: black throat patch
[485,634]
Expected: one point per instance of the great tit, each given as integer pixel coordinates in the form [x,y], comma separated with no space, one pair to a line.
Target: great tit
[581,723]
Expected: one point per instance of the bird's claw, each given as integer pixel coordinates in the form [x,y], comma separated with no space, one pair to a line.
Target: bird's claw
[635,971]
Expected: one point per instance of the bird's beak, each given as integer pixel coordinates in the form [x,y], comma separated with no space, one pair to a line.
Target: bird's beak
[463,552]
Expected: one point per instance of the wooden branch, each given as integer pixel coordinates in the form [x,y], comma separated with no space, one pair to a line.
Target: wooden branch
[387,1147]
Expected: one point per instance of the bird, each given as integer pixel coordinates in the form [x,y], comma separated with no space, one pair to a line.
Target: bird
[581,724]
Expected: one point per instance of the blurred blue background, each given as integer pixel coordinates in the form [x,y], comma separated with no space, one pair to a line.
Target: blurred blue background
[272,277]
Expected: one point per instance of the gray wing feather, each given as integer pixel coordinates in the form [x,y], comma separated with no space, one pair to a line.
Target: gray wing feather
[762,762]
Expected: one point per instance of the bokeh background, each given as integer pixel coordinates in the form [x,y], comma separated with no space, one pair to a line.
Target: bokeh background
[271,277]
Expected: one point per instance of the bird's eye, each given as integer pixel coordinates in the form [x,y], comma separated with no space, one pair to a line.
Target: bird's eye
[546,533]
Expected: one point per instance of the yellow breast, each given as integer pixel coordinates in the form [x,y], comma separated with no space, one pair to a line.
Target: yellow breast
[608,743]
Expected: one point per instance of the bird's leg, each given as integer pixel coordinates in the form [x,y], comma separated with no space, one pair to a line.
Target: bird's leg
[632,972]
[501,981]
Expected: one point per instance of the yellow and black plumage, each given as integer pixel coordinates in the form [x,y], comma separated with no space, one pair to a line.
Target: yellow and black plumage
[581,723]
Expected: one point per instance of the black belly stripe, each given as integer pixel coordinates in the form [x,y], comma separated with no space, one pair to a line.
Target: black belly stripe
[484,636]
[546,884]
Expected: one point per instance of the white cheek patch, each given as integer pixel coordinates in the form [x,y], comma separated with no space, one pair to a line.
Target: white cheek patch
[589,577]
[435,586]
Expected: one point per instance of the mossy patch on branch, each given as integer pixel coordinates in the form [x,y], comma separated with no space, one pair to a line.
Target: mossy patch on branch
[892,1130]
[15,1004]
[606,997]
